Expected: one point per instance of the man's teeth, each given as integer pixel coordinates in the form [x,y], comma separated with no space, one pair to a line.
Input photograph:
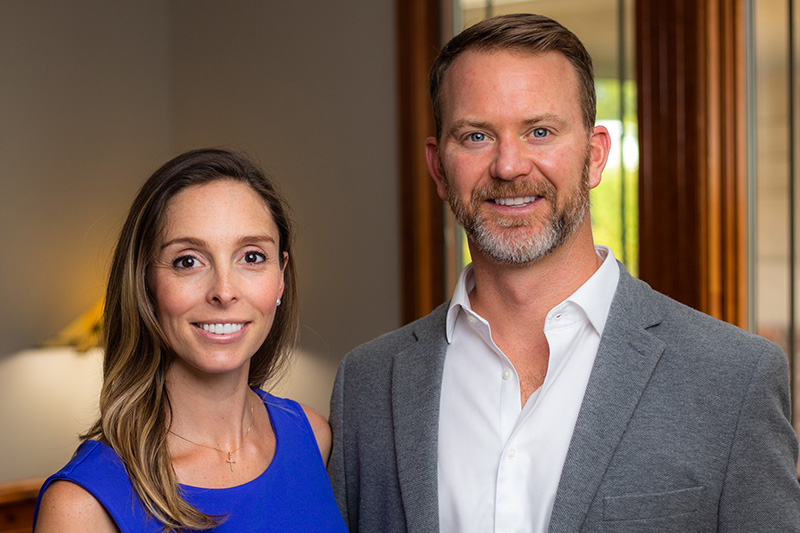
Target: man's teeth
[222,329]
[519,200]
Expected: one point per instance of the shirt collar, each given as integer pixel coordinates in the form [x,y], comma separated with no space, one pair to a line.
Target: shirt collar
[460,299]
[594,296]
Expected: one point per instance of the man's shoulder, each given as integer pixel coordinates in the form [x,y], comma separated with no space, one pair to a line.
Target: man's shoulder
[679,324]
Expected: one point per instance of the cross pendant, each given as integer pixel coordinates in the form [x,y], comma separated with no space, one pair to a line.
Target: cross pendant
[230,460]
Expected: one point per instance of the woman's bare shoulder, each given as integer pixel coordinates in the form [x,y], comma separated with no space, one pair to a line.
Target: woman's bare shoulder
[67,507]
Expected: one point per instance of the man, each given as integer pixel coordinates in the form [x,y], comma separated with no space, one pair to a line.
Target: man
[554,392]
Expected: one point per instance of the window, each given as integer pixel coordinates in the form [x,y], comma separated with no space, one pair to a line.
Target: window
[773,104]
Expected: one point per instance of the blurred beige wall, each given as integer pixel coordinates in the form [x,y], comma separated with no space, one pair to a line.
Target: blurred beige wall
[95,95]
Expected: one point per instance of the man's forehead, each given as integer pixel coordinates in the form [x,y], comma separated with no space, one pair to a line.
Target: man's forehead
[479,64]
[475,70]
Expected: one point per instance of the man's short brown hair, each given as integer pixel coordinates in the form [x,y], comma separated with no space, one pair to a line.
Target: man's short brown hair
[522,32]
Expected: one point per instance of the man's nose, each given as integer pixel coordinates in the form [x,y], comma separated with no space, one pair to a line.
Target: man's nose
[510,161]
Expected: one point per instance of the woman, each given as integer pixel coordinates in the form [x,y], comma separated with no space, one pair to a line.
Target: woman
[201,310]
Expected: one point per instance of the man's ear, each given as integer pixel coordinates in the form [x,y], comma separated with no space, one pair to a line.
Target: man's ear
[435,166]
[599,147]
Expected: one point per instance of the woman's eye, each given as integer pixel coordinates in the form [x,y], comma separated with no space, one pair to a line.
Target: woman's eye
[477,137]
[540,132]
[187,261]
[254,257]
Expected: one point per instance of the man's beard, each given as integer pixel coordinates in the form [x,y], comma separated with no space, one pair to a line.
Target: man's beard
[493,234]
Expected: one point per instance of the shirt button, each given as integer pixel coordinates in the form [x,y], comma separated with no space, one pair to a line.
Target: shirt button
[506,374]
[511,453]
[559,315]
[472,319]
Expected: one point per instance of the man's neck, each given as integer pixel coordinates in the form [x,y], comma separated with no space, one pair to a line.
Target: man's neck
[523,293]
[515,300]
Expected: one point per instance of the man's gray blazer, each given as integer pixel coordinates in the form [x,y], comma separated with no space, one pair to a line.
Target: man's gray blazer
[684,427]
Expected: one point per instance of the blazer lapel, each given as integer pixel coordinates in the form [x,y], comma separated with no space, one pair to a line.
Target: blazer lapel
[416,389]
[625,361]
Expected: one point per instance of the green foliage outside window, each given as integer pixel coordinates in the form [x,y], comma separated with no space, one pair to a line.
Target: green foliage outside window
[615,202]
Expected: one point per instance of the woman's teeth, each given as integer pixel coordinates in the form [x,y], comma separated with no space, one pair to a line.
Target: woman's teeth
[222,329]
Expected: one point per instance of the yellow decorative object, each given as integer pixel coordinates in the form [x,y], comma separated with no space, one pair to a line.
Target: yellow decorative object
[82,333]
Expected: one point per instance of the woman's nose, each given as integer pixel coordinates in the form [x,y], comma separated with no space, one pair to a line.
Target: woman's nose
[223,288]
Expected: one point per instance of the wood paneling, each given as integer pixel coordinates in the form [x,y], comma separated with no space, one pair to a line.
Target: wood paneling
[421,210]
[692,195]
[17,503]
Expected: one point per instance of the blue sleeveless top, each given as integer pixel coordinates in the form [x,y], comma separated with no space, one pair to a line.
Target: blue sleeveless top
[292,494]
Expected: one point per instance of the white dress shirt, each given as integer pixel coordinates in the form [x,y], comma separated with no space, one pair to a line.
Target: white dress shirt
[499,461]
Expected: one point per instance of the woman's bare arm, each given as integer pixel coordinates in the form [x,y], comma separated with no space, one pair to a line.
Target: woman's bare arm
[67,507]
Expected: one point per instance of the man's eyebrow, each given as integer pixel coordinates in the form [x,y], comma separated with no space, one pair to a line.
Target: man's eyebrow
[467,123]
[551,118]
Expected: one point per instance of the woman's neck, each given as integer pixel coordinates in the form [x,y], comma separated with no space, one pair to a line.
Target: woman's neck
[213,410]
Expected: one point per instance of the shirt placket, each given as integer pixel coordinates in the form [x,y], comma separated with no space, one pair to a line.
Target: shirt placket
[515,464]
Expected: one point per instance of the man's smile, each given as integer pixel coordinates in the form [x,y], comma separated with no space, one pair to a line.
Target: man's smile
[518,200]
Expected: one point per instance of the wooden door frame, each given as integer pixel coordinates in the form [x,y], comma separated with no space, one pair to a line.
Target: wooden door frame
[421,211]
[692,167]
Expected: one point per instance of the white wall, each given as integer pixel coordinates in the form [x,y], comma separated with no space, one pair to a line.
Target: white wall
[95,95]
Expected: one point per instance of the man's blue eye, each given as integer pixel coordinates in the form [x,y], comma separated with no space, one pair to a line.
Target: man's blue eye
[477,137]
[540,132]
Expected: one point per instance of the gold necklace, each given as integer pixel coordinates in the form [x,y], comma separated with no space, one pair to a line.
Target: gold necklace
[230,459]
